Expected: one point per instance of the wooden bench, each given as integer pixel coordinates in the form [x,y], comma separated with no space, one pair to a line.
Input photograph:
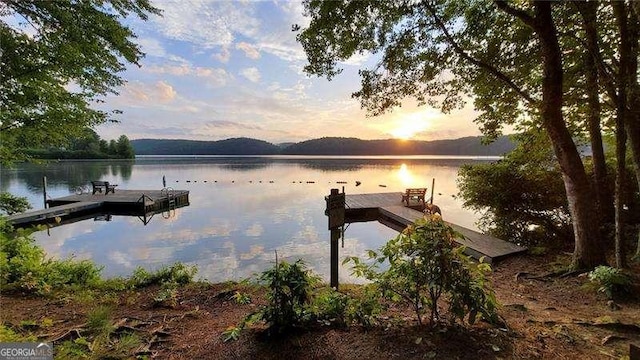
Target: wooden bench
[416,194]
[99,185]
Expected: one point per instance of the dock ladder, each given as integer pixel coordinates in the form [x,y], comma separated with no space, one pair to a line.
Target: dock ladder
[169,194]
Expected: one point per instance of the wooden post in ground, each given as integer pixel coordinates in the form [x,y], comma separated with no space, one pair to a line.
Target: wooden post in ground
[44,190]
[335,211]
[433,185]
[335,237]
[634,352]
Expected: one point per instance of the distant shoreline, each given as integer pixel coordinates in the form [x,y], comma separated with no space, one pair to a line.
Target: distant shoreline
[326,146]
[321,157]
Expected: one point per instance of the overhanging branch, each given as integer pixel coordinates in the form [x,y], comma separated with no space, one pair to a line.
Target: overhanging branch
[481,64]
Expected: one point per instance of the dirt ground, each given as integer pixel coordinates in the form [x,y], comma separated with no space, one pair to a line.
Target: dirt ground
[546,318]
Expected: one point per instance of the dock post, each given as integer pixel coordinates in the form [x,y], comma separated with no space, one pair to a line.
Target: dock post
[335,211]
[44,191]
[433,185]
[335,236]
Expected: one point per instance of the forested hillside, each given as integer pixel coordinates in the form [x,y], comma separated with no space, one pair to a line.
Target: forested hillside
[324,146]
[353,146]
[235,146]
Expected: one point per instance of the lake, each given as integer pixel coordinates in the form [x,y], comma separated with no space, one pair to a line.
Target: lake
[242,209]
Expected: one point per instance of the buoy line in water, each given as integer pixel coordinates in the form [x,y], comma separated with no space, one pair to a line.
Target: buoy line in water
[341,182]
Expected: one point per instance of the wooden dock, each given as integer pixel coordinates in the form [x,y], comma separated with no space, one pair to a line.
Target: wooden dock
[388,209]
[121,202]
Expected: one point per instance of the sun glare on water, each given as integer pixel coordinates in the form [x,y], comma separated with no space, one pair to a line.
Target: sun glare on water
[411,125]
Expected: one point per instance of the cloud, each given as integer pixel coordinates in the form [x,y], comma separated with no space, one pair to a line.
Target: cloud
[151,47]
[357,59]
[207,23]
[252,74]
[210,24]
[216,77]
[222,124]
[223,56]
[140,92]
[282,45]
[249,50]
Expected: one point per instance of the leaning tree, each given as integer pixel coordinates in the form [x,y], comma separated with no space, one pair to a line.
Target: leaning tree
[511,58]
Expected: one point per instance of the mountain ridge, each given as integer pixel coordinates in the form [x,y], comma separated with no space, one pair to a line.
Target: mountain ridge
[470,145]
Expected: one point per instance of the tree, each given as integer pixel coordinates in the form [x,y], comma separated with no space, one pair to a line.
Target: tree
[124,148]
[521,197]
[507,56]
[113,147]
[88,140]
[50,47]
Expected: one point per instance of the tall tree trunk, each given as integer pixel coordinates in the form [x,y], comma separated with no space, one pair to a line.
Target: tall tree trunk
[633,132]
[627,109]
[632,121]
[603,195]
[588,251]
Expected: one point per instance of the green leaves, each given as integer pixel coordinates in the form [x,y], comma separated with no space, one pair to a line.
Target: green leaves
[423,264]
[522,197]
[65,57]
[610,281]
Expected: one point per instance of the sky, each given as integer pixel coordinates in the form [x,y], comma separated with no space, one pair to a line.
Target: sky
[220,69]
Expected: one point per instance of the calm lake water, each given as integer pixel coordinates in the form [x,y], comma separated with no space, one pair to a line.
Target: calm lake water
[242,209]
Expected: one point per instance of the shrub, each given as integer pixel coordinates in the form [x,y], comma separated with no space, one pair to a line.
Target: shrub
[167,296]
[99,321]
[365,308]
[177,273]
[23,265]
[10,204]
[330,306]
[289,290]
[610,281]
[521,197]
[290,287]
[423,265]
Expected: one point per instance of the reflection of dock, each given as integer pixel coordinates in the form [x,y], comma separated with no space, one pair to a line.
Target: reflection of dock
[122,202]
[387,208]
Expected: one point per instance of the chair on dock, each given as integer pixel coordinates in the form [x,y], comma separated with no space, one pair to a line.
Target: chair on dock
[99,185]
[416,194]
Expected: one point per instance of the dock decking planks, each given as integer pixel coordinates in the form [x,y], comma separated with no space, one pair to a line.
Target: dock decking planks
[119,197]
[53,212]
[392,213]
[121,202]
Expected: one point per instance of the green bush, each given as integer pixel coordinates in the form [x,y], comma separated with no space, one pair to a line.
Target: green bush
[10,204]
[330,306]
[610,281]
[365,308]
[23,265]
[521,197]
[167,296]
[177,273]
[289,295]
[289,291]
[423,265]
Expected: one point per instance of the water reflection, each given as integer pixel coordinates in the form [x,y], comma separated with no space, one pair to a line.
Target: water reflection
[242,209]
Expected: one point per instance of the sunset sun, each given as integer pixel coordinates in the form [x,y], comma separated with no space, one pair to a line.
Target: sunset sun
[409,126]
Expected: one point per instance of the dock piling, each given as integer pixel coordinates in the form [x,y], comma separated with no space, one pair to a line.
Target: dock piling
[335,211]
[44,191]
[433,185]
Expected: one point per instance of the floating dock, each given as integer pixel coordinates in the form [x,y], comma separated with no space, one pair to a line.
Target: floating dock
[121,202]
[388,209]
